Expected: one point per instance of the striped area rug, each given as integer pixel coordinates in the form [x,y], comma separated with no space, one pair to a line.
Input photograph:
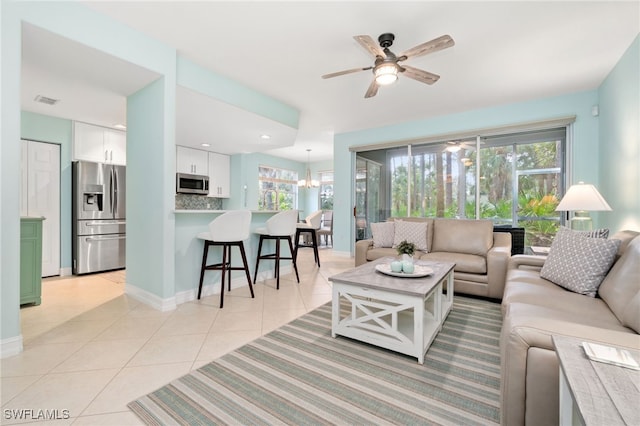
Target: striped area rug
[299,375]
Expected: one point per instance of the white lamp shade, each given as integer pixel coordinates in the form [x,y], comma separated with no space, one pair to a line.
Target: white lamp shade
[583,197]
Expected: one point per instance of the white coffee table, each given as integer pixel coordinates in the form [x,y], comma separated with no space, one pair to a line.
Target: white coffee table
[400,314]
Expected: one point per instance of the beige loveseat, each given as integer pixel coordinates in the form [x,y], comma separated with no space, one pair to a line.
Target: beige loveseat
[535,309]
[481,255]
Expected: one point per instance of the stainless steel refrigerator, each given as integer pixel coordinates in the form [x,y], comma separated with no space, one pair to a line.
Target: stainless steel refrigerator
[98,216]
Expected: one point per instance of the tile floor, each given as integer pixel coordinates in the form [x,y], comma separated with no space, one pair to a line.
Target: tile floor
[89,349]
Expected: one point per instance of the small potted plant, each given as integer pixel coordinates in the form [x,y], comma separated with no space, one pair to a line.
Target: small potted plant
[406,250]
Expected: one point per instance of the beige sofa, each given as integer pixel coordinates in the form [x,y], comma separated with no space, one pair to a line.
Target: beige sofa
[481,255]
[534,309]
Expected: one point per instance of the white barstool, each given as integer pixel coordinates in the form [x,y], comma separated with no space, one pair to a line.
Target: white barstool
[310,227]
[227,230]
[279,227]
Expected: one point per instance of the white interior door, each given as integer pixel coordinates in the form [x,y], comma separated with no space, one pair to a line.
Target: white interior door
[43,199]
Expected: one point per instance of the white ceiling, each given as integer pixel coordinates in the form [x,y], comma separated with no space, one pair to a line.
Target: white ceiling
[505,52]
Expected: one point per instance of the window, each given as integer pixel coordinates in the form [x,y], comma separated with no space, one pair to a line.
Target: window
[518,183]
[278,188]
[326,190]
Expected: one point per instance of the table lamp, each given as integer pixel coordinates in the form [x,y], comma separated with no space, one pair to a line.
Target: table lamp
[581,199]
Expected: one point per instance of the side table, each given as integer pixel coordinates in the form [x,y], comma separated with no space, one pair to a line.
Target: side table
[595,393]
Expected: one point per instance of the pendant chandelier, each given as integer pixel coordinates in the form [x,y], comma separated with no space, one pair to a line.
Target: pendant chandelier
[307,182]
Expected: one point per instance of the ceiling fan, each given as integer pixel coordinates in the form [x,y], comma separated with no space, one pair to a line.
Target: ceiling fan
[387,64]
[455,146]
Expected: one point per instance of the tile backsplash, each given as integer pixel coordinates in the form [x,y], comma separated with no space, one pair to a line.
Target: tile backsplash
[197,202]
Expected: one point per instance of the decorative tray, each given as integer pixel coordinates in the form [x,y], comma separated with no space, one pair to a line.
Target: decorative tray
[418,271]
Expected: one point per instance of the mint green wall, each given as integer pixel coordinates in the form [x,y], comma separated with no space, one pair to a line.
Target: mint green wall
[619,154]
[44,128]
[150,229]
[76,22]
[201,80]
[10,337]
[585,143]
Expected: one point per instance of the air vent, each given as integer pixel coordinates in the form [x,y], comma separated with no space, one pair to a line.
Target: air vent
[45,100]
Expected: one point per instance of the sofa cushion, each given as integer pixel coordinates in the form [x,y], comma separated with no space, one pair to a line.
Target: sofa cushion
[621,287]
[462,236]
[525,288]
[464,262]
[382,233]
[412,232]
[578,263]
[377,253]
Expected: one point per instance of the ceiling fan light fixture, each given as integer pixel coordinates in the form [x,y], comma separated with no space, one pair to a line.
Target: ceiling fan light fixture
[386,74]
[453,148]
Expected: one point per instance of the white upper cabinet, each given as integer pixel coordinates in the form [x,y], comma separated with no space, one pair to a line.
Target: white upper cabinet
[219,175]
[192,161]
[99,144]
[115,145]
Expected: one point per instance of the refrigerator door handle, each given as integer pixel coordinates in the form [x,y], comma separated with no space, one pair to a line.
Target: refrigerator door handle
[111,198]
[106,237]
[105,222]
[115,190]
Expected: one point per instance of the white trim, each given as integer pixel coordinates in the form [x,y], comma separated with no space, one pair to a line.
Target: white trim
[11,346]
[466,134]
[150,299]
[65,272]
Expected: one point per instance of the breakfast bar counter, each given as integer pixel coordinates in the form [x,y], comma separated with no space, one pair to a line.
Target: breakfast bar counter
[188,255]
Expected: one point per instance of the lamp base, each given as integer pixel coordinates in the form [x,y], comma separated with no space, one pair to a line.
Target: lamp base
[581,221]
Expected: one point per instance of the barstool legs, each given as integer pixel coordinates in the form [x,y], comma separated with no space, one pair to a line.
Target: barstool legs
[314,243]
[276,257]
[225,267]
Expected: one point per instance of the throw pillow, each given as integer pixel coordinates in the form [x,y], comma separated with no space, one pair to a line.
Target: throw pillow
[382,233]
[577,263]
[596,233]
[412,232]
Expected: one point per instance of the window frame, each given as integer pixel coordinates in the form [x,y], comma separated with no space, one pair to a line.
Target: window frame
[277,181]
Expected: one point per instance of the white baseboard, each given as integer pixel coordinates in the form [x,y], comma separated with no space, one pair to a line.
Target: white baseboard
[65,272]
[209,290]
[214,288]
[11,346]
[150,299]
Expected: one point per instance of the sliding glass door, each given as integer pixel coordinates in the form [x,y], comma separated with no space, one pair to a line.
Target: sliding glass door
[513,179]
[367,186]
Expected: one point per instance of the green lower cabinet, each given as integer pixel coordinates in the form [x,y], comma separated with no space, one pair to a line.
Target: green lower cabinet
[30,260]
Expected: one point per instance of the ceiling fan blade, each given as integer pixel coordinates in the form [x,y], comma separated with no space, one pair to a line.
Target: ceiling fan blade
[336,74]
[418,74]
[372,90]
[370,45]
[429,47]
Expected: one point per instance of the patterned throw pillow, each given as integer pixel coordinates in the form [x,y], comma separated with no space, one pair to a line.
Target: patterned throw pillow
[577,263]
[412,232]
[596,233]
[382,234]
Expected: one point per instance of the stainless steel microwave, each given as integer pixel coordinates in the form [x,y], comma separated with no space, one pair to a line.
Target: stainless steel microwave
[192,184]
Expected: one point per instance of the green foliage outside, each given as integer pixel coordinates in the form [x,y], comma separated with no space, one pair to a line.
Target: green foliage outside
[441,182]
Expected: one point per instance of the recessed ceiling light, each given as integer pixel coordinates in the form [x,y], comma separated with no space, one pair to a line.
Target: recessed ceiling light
[265,136]
[120,126]
[205,144]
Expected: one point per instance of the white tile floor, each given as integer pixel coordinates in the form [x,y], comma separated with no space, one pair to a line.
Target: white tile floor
[90,349]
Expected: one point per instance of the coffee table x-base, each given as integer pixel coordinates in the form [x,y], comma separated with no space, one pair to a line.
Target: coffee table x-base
[400,314]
